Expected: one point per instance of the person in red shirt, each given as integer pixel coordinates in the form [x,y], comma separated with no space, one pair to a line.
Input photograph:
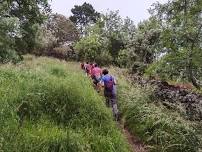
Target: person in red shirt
[91,66]
[96,75]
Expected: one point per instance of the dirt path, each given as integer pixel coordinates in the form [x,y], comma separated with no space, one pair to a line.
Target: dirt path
[134,142]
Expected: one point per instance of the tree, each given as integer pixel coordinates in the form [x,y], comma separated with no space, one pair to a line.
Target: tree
[83,16]
[181,23]
[19,24]
[146,37]
[90,48]
[128,30]
[62,29]
[141,47]
[31,15]
[114,34]
[112,31]
[9,30]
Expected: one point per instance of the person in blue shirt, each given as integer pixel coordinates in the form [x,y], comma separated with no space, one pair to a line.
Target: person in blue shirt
[109,84]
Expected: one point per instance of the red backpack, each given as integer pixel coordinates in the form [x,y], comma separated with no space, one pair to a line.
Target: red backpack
[110,84]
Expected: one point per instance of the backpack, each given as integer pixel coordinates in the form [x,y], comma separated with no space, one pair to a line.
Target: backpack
[109,85]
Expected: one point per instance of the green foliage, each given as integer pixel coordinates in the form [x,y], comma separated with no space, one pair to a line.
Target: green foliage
[123,59]
[138,68]
[9,29]
[104,58]
[61,28]
[170,67]
[145,42]
[126,43]
[91,49]
[112,34]
[181,36]
[63,113]
[19,26]
[161,129]
[171,38]
[10,55]
[84,15]
[55,37]
[88,48]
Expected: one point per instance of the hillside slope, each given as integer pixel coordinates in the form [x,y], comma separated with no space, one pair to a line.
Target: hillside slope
[160,128]
[48,105]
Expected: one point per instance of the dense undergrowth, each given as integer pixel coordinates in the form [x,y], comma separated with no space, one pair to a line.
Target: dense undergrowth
[163,130]
[62,111]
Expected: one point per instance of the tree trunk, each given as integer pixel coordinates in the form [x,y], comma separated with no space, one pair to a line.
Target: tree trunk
[193,79]
[190,70]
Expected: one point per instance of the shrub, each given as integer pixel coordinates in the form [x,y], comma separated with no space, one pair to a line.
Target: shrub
[104,58]
[123,58]
[10,55]
[88,48]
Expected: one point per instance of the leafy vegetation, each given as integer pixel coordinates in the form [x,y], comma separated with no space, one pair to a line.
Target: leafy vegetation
[167,45]
[57,35]
[181,24]
[19,25]
[47,105]
[161,129]
[83,16]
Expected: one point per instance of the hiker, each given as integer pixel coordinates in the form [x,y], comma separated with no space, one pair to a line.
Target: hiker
[96,74]
[82,66]
[87,68]
[90,69]
[109,82]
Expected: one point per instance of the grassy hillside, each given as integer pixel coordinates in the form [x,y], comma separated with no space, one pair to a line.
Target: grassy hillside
[58,108]
[163,130]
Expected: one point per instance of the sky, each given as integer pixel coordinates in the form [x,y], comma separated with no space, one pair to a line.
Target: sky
[134,9]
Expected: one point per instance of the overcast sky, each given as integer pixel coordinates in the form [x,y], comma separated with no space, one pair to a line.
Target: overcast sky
[134,9]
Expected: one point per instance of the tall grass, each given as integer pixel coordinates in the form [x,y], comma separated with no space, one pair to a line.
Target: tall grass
[161,129]
[63,112]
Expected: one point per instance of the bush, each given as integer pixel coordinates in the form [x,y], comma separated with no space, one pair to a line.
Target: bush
[10,55]
[88,48]
[138,67]
[9,31]
[104,58]
[61,111]
[63,52]
[91,49]
[123,58]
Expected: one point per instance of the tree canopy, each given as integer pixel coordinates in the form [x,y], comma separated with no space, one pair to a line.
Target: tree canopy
[19,23]
[84,15]
[181,24]
[168,44]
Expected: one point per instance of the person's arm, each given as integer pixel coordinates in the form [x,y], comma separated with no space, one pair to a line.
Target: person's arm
[115,82]
[101,83]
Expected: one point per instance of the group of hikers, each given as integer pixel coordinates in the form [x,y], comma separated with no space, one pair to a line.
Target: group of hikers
[102,78]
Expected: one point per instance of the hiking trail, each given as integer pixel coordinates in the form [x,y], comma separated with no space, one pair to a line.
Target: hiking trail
[134,142]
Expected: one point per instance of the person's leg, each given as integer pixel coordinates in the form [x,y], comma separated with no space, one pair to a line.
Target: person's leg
[96,84]
[106,94]
[115,107]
